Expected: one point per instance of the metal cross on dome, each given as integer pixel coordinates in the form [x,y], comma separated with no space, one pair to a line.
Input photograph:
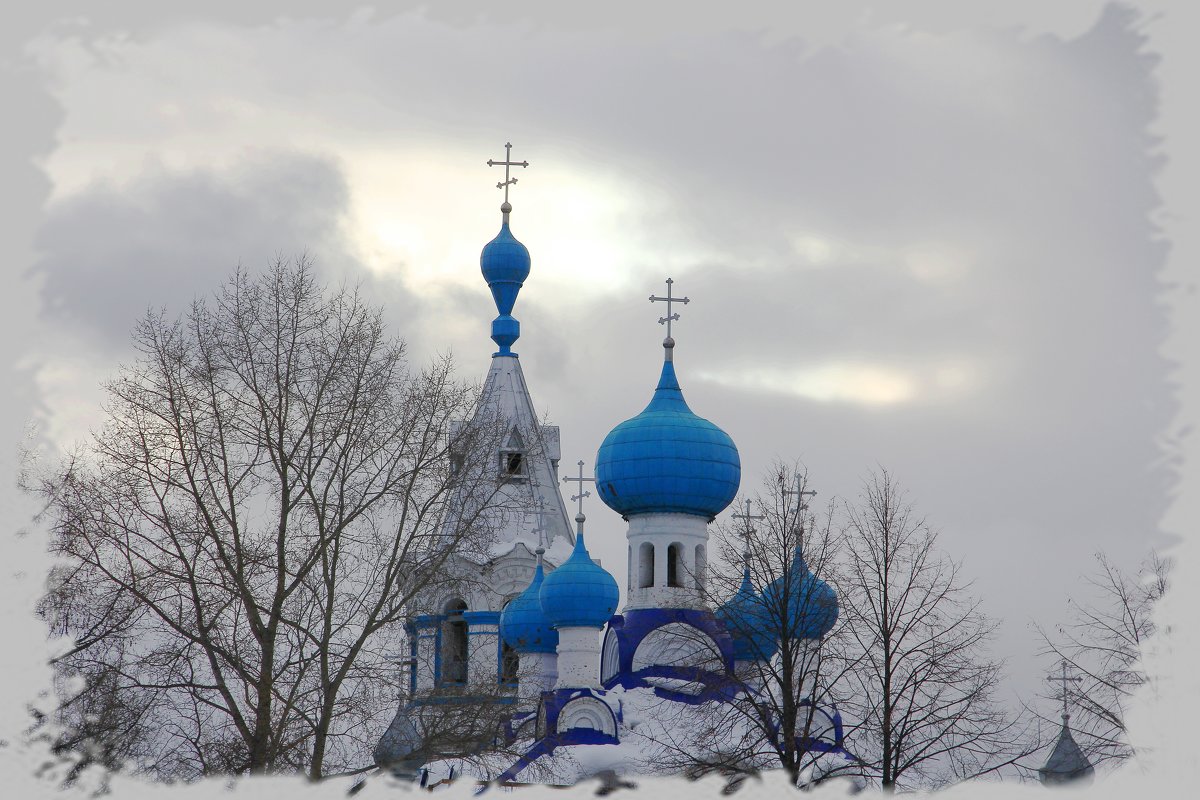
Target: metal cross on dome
[541,523]
[506,163]
[800,504]
[746,533]
[582,494]
[1064,680]
[747,517]
[669,299]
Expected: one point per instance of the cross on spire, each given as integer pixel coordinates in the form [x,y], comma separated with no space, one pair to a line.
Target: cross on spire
[579,517]
[669,299]
[747,531]
[800,495]
[541,526]
[747,517]
[1064,680]
[506,163]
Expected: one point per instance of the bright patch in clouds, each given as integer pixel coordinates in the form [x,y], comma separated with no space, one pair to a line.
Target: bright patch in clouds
[855,383]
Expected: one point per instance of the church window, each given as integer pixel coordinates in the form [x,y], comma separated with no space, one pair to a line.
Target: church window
[674,564]
[510,662]
[510,659]
[454,644]
[514,464]
[645,565]
[512,457]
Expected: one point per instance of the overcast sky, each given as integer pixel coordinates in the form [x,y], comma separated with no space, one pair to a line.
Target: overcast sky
[928,248]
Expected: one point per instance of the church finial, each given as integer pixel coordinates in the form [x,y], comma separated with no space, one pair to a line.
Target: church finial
[1064,680]
[541,529]
[669,342]
[579,516]
[749,529]
[506,207]
[800,494]
[505,265]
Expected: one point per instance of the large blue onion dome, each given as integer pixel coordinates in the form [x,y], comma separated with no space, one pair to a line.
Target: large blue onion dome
[580,593]
[747,620]
[523,626]
[811,604]
[667,459]
[505,266]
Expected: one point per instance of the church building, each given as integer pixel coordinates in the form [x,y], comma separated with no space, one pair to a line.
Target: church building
[582,687]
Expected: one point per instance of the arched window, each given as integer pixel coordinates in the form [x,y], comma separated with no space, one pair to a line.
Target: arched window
[510,663]
[646,565]
[510,659]
[454,644]
[701,567]
[629,561]
[674,564]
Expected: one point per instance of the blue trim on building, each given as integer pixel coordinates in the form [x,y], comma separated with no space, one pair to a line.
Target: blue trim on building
[554,701]
[549,744]
[437,657]
[633,626]
[411,630]
[463,699]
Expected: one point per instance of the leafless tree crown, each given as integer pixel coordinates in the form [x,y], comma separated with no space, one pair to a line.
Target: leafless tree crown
[267,494]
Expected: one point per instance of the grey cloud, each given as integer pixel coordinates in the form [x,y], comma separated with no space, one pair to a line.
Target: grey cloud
[108,253]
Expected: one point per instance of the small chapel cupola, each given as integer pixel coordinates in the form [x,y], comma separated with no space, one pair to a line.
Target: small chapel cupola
[746,616]
[1067,762]
[578,599]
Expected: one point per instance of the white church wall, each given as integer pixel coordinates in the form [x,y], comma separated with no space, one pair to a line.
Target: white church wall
[536,673]
[578,658]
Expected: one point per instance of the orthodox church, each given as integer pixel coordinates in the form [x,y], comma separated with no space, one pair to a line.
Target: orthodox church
[584,689]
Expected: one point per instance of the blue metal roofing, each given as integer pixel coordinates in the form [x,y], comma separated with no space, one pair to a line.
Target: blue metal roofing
[505,266]
[748,621]
[580,593]
[523,626]
[667,459]
[811,604]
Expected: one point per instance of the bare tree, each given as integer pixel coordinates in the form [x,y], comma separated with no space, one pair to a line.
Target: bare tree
[772,586]
[1101,644]
[923,695]
[236,544]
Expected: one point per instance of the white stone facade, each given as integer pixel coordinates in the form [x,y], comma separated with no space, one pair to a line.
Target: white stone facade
[536,673]
[578,658]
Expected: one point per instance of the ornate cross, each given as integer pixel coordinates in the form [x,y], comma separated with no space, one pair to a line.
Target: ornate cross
[541,526]
[506,163]
[746,533]
[669,299]
[748,516]
[800,504]
[582,494]
[1064,680]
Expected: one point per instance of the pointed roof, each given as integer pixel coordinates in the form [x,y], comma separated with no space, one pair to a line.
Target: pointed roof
[1067,762]
[505,401]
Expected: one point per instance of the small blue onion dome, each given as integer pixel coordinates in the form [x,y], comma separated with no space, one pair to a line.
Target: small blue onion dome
[748,622]
[580,593]
[523,626]
[812,606]
[667,459]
